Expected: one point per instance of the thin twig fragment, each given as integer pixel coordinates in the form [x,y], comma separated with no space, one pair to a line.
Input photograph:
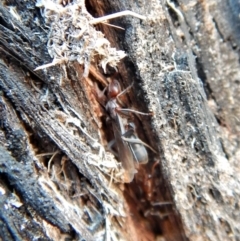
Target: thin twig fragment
[117,15]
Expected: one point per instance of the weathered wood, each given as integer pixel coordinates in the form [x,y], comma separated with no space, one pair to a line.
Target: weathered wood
[195,150]
[55,176]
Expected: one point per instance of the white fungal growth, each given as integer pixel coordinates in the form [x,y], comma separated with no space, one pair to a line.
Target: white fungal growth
[72,36]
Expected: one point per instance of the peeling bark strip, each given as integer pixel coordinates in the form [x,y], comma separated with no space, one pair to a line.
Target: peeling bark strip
[56,180]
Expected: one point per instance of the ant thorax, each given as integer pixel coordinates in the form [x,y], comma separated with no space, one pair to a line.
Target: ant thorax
[111,107]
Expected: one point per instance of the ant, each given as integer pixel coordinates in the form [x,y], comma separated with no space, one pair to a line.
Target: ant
[131,150]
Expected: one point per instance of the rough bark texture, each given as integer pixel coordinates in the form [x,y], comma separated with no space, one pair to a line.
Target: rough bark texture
[56,180]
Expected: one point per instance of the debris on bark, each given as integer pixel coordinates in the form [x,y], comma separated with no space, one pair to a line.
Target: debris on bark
[57,181]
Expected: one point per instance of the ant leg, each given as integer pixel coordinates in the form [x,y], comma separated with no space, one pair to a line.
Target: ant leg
[134,111]
[131,132]
[125,110]
[125,90]
[100,94]
[136,140]
[123,93]
[128,110]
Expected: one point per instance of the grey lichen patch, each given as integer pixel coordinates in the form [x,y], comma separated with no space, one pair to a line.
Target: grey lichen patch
[72,36]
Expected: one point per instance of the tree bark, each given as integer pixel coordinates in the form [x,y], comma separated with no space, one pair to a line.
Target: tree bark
[57,180]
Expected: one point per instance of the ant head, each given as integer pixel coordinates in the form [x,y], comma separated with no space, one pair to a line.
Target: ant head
[114,89]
